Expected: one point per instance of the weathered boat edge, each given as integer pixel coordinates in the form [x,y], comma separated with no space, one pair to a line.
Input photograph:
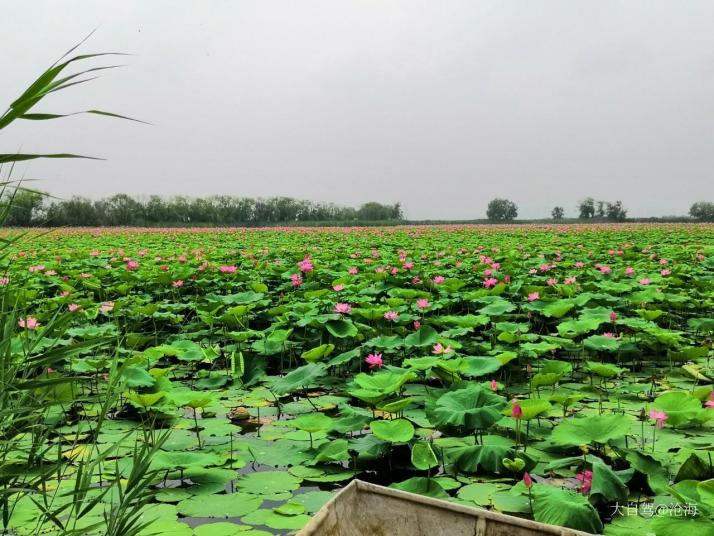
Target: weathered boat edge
[315,525]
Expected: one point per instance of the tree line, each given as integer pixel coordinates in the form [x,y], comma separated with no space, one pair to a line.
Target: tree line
[29,208]
[26,208]
[590,209]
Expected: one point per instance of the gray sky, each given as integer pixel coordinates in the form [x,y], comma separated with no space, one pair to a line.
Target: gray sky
[440,105]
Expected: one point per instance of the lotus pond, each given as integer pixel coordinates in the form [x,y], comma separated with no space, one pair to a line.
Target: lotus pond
[560,373]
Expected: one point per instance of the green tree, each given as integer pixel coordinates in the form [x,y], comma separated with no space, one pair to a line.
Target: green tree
[374,211]
[586,208]
[558,213]
[501,210]
[615,211]
[702,211]
[24,207]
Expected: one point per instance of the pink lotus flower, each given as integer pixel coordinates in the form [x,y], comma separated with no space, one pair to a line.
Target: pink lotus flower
[495,265]
[527,480]
[487,273]
[343,308]
[660,418]
[605,269]
[73,307]
[305,265]
[570,280]
[415,280]
[533,296]
[439,349]
[408,265]
[296,280]
[645,281]
[490,282]
[132,265]
[28,323]
[439,279]
[613,316]
[665,272]
[178,283]
[586,479]
[182,259]
[338,288]
[107,307]
[374,360]
[94,253]
[579,264]
[629,270]
[494,386]
[516,410]
[609,335]
[710,403]
[552,282]
[228,269]
[417,324]
[353,271]
[392,316]
[422,303]
[4,281]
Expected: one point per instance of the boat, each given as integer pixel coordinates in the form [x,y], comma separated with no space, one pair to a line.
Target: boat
[365,509]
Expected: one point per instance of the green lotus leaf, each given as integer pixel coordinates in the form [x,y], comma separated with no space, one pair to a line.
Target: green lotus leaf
[394,431]
[564,508]
[266,482]
[591,429]
[233,505]
[469,406]
[423,457]
[422,486]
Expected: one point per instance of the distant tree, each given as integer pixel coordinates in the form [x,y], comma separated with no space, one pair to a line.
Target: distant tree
[501,210]
[615,211]
[155,210]
[600,212]
[123,210]
[702,211]
[586,208]
[558,213]
[374,211]
[24,206]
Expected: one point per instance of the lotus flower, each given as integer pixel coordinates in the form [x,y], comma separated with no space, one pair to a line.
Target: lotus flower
[422,303]
[660,418]
[439,349]
[516,410]
[28,323]
[374,360]
[527,480]
[343,308]
[586,479]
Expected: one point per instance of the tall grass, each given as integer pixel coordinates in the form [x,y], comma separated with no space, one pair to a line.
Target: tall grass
[38,391]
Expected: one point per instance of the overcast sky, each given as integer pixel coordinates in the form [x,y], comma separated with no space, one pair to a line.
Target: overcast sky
[441,105]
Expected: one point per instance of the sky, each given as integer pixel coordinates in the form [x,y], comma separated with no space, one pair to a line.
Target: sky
[438,105]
